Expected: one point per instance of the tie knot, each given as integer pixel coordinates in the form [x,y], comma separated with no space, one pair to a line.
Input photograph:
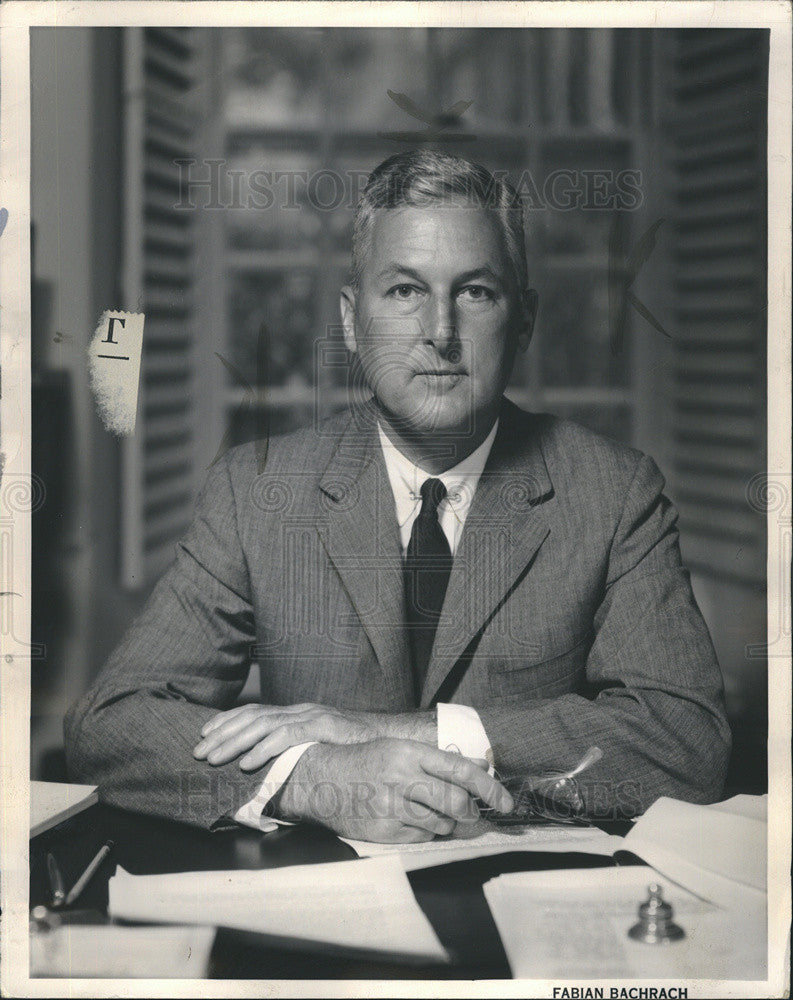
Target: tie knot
[433,493]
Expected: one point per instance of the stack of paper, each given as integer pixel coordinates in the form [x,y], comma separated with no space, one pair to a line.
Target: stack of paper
[52,802]
[367,906]
[442,851]
[718,852]
[574,925]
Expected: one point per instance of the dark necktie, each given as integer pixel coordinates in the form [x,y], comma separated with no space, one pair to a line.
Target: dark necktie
[428,563]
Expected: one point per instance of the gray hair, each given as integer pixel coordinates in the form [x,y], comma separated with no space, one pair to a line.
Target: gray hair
[425,178]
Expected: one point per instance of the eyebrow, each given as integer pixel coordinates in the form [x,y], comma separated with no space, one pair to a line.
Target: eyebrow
[395,269]
[484,271]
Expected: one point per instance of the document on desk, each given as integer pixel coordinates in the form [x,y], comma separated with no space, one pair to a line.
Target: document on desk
[554,927]
[716,851]
[81,951]
[444,850]
[53,802]
[367,906]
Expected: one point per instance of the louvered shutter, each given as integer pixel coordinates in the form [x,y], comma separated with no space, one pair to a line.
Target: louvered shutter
[717,116]
[159,462]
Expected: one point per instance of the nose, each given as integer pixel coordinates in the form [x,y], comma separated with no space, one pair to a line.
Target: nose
[443,331]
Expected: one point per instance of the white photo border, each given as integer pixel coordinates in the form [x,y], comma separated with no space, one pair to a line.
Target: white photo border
[16,19]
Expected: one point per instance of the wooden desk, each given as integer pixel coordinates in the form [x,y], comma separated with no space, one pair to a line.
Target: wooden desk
[450,895]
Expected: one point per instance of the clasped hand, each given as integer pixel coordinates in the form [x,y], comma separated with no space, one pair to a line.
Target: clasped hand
[389,791]
[373,776]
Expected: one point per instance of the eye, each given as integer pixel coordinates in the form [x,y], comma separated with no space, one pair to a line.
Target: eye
[477,293]
[403,292]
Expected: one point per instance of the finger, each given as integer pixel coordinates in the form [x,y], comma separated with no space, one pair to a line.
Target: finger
[393,832]
[445,798]
[222,731]
[313,724]
[419,816]
[222,717]
[216,739]
[250,709]
[240,741]
[412,835]
[226,727]
[462,772]
[282,738]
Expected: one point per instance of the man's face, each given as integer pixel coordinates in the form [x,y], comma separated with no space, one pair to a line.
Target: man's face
[437,318]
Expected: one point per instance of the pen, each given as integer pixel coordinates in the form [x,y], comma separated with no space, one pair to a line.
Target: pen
[88,874]
[56,882]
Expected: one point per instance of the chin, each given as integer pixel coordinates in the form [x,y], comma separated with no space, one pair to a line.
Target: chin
[426,412]
[442,420]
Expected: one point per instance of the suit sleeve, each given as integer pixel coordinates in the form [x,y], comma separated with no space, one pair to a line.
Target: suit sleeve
[658,711]
[184,658]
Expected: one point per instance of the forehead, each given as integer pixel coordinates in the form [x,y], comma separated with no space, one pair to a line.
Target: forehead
[437,237]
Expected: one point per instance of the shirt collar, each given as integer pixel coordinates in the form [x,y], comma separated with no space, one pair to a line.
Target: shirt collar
[460,481]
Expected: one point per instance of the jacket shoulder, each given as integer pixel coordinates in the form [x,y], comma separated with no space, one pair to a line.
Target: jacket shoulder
[566,440]
[597,477]
[579,458]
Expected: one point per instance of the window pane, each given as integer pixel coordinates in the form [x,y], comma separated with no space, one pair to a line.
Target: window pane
[352,171]
[574,345]
[365,64]
[487,68]
[272,314]
[583,189]
[583,193]
[572,232]
[273,76]
[268,202]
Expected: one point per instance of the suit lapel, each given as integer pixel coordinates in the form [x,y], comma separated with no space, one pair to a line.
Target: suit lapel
[360,534]
[503,531]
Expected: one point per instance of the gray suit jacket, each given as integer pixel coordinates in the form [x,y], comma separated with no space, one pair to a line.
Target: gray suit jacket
[568,622]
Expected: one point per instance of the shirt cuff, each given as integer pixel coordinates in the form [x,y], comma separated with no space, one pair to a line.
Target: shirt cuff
[252,813]
[460,730]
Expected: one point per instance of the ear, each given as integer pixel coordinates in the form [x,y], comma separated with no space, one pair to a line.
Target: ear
[529,303]
[347,306]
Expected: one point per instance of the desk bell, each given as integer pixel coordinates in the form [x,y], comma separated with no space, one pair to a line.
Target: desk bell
[655,924]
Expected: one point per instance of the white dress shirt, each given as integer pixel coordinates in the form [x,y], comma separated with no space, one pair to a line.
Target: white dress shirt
[460,482]
[460,729]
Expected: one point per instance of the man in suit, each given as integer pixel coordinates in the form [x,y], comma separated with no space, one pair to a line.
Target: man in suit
[431,583]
